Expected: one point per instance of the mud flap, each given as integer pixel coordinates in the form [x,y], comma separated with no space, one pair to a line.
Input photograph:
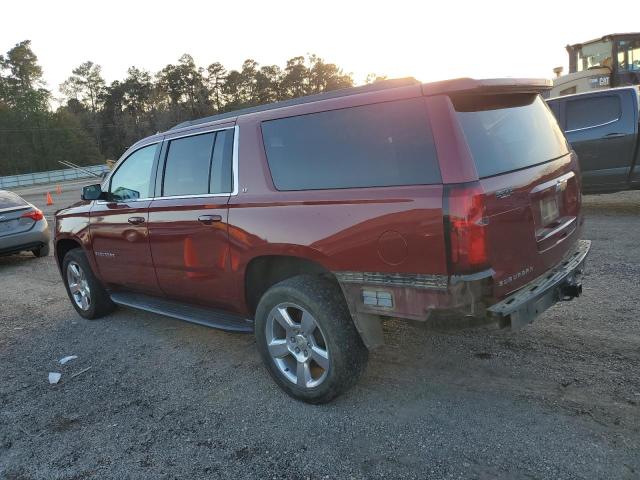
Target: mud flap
[370,329]
[369,325]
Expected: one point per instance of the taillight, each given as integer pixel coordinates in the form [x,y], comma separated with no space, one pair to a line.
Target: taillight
[34,215]
[467,228]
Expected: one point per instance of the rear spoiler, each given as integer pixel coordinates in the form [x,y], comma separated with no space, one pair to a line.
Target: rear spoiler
[488,86]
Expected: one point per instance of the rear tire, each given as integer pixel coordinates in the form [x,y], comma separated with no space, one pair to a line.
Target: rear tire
[307,339]
[86,293]
[42,251]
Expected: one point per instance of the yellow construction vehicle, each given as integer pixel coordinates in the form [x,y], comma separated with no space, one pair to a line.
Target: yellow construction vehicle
[606,62]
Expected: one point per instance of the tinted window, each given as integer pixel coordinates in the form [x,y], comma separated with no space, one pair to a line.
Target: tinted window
[508,132]
[187,167]
[132,180]
[374,145]
[221,171]
[10,200]
[592,111]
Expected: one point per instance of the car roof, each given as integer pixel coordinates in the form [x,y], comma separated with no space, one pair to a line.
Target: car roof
[458,85]
[343,92]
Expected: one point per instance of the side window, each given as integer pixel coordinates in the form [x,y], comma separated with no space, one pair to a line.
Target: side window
[187,168]
[369,146]
[592,111]
[221,167]
[629,55]
[132,180]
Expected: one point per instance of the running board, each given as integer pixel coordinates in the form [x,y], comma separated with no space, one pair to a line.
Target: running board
[189,313]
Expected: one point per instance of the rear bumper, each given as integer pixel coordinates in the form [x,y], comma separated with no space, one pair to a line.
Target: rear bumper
[37,237]
[563,282]
[455,301]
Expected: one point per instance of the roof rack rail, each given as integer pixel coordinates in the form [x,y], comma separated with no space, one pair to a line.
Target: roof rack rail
[343,92]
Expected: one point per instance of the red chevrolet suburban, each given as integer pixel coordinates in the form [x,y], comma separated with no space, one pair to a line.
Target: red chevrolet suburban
[309,221]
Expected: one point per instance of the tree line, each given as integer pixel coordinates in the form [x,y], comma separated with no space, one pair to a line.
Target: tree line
[96,120]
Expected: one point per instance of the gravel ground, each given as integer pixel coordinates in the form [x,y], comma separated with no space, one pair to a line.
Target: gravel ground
[164,399]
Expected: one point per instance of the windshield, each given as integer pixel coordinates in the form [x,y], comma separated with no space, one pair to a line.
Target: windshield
[509,132]
[596,54]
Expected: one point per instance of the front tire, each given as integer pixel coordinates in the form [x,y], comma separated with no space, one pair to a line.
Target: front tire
[307,339]
[87,295]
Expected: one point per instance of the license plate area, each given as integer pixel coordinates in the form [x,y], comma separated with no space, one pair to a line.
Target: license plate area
[553,226]
[549,211]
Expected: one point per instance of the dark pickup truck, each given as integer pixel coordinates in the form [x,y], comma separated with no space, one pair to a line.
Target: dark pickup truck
[602,127]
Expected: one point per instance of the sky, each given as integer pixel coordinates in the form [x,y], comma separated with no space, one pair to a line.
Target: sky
[426,40]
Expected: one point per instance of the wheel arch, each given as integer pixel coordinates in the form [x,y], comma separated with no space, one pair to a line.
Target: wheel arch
[264,271]
[63,246]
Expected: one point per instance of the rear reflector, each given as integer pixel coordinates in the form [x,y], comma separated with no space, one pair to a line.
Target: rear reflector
[35,215]
[467,228]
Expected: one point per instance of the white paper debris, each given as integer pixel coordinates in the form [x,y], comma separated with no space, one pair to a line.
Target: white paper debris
[54,377]
[64,360]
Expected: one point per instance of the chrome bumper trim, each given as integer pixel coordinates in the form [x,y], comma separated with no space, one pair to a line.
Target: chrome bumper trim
[415,280]
[538,295]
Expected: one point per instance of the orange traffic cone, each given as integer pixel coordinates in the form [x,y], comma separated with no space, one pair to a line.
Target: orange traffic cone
[58,189]
[49,199]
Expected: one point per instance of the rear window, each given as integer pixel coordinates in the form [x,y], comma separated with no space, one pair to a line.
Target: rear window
[592,111]
[509,132]
[370,146]
[10,200]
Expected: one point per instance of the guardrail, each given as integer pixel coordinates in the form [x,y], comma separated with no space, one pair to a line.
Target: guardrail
[53,176]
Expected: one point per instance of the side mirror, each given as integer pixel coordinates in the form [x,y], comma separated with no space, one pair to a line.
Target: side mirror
[92,192]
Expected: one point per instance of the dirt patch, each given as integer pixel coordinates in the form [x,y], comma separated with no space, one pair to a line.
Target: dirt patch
[163,399]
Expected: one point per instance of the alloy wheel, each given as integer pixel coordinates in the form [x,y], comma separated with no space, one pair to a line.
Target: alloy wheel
[78,286]
[296,345]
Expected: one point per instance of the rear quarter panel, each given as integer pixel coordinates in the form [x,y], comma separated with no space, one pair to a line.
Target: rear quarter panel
[380,229]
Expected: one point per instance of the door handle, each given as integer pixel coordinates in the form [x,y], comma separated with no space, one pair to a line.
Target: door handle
[613,135]
[136,220]
[209,219]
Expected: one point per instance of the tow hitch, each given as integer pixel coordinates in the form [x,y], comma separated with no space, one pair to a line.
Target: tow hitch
[570,290]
